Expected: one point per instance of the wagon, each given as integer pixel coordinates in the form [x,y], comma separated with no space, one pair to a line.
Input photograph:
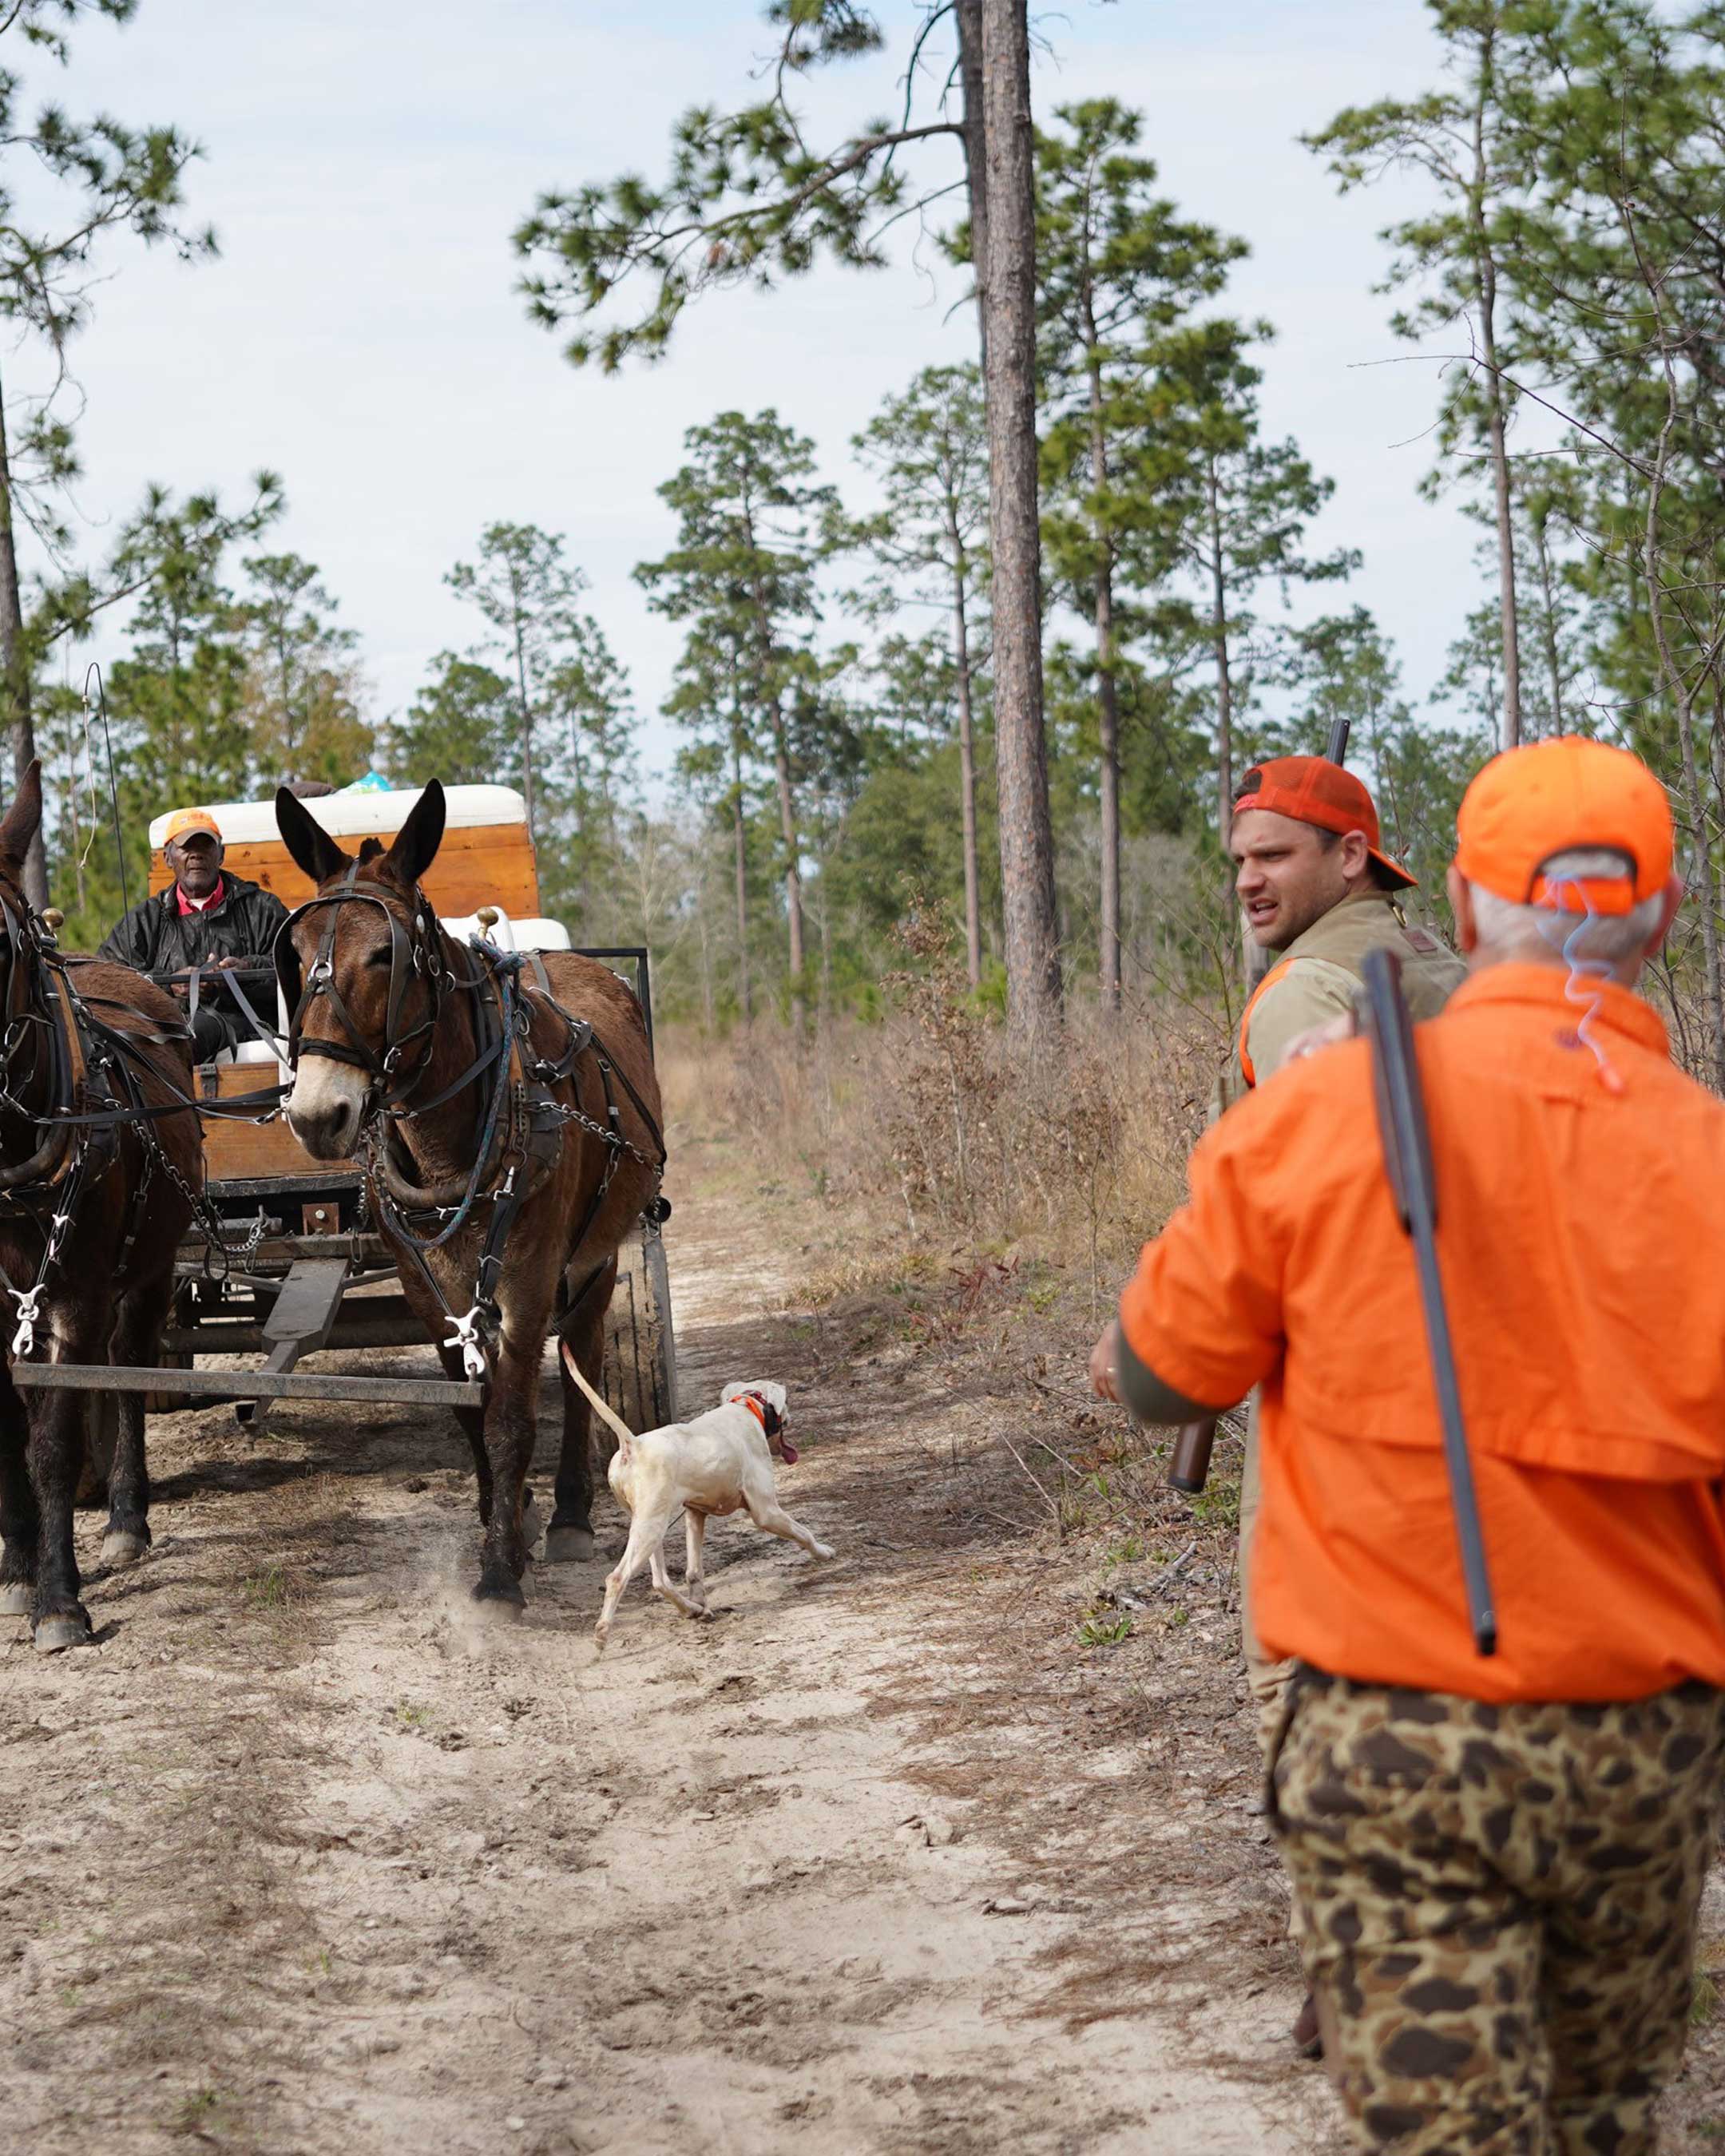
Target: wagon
[304,1268]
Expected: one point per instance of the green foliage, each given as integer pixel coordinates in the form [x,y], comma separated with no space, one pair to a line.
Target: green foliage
[220,694]
[747,200]
[543,700]
[753,525]
[1474,144]
[303,687]
[458,728]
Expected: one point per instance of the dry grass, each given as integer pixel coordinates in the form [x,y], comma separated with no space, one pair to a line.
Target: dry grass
[948,1138]
[982,1204]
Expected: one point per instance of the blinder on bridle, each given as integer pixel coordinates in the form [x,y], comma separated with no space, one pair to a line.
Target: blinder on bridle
[418,954]
[24,936]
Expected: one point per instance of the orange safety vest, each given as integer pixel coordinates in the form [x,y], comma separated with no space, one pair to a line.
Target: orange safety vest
[1275,973]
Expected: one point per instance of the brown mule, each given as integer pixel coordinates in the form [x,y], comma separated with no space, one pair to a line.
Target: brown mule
[508,1116]
[92,1216]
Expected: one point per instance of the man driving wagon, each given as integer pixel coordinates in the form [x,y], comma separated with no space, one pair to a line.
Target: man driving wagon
[207,922]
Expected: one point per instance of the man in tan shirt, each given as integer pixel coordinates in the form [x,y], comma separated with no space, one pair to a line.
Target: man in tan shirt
[1317,887]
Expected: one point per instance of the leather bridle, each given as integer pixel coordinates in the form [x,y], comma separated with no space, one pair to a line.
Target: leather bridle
[415,954]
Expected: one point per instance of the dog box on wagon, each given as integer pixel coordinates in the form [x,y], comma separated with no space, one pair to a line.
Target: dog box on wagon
[305,1269]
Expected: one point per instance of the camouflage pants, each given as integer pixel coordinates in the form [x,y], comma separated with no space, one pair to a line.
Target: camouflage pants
[1497,1908]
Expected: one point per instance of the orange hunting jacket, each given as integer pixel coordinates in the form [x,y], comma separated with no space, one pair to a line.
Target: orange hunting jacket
[1582,1238]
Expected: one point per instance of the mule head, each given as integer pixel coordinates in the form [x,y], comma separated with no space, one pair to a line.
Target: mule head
[344,1036]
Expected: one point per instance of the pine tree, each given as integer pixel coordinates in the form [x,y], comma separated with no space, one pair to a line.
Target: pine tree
[69,183]
[1117,269]
[1233,510]
[748,202]
[1472,142]
[752,525]
[588,699]
[529,596]
[304,685]
[927,450]
[460,727]
[710,697]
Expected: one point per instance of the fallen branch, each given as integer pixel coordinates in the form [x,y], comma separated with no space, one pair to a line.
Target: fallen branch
[1035,1485]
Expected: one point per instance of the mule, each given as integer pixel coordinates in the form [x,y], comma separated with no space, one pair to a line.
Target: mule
[91,1215]
[507,1117]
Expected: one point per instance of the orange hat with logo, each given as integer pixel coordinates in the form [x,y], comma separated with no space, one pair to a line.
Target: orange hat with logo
[185,821]
[1313,790]
[1563,796]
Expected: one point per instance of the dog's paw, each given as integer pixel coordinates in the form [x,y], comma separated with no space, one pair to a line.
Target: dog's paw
[825,1550]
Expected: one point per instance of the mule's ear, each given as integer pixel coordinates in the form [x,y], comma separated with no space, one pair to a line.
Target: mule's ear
[22,819]
[417,842]
[307,839]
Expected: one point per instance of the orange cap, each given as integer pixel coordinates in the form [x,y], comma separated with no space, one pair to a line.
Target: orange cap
[1555,796]
[1313,790]
[184,821]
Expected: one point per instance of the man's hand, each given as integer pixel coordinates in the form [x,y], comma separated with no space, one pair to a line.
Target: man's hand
[1105,1365]
[1316,1037]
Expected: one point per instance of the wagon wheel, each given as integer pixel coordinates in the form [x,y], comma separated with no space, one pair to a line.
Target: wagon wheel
[639,1372]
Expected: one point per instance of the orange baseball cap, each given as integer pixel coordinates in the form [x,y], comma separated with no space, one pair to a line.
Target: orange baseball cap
[185,821]
[1554,797]
[1313,790]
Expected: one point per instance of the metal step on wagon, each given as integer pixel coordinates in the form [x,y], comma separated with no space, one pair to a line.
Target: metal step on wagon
[305,1269]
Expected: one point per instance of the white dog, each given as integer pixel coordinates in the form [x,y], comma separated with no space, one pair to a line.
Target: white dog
[721,1460]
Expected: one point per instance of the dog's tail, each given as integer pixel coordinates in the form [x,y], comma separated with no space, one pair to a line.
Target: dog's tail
[625,1435]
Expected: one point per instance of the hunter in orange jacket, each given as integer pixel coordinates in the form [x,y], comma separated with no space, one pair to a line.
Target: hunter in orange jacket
[1496,1861]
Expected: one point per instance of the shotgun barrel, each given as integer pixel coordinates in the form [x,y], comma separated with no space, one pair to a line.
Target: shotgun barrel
[1406,1136]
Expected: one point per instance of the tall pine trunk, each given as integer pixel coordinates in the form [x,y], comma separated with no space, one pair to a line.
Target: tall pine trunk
[1108,793]
[969,17]
[1008,309]
[15,668]
[741,832]
[526,719]
[793,869]
[1553,655]
[1495,435]
[967,764]
[1108,697]
[1224,680]
[1678,686]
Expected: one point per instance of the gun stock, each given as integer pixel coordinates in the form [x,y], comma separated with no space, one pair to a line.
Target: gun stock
[1190,1468]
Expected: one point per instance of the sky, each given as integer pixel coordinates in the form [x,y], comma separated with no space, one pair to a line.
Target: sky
[361,334]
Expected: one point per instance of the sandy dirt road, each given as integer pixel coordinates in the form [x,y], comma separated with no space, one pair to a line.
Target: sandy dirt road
[298,1857]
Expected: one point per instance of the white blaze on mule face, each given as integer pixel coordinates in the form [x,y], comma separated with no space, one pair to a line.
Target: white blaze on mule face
[323,1110]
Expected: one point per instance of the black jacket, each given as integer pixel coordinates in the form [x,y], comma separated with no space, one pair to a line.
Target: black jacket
[158,938]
